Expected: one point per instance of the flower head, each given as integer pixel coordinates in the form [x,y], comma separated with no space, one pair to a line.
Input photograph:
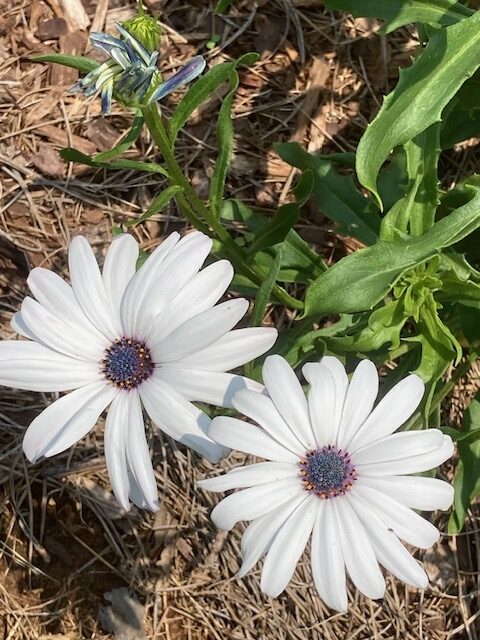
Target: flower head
[131,72]
[337,473]
[125,338]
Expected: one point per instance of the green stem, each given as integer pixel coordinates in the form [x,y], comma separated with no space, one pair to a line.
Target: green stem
[442,393]
[198,213]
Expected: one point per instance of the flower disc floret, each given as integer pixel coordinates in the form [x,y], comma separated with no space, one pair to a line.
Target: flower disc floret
[127,363]
[327,472]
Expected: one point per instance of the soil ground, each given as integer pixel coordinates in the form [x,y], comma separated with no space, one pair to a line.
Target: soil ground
[73,564]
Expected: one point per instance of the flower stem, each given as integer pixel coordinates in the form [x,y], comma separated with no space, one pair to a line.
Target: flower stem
[199,214]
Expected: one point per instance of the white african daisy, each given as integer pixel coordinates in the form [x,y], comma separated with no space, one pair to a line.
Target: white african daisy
[338,473]
[126,338]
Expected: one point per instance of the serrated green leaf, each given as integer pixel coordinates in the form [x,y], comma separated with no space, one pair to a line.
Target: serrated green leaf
[466,481]
[360,281]
[81,63]
[200,90]
[159,203]
[400,12]
[225,147]
[335,195]
[451,56]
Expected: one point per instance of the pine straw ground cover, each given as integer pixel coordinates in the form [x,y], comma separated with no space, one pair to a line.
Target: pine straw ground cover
[73,564]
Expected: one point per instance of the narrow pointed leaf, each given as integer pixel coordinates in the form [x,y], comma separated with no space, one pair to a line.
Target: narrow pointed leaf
[159,203]
[81,63]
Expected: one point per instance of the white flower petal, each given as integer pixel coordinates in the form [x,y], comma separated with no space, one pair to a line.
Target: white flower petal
[360,560]
[407,524]
[388,549]
[397,447]
[250,475]
[261,409]
[178,418]
[32,366]
[416,492]
[89,290]
[18,325]
[210,387]
[119,268]
[67,420]
[287,394]
[340,383]
[287,548]
[328,567]
[199,332]
[242,436]
[391,412]
[53,293]
[202,292]
[260,532]
[180,266]
[143,486]
[116,426]
[54,332]
[412,463]
[136,293]
[321,403]
[361,394]
[254,502]
[233,349]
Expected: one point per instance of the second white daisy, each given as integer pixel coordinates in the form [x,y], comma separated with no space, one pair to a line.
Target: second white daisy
[337,473]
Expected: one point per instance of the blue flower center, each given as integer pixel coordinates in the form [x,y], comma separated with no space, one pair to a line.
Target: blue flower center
[127,363]
[328,472]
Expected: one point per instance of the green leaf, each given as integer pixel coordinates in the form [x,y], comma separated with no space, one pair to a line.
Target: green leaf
[423,153]
[467,437]
[276,229]
[222,5]
[335,195]
[399,12]
[159,203]
[69,154]
[76,62]
[207,84]
[225,147]
[265,289]
[451,56]
[262,298]
[125,144]
[300,262]
[360,281]
[466,481]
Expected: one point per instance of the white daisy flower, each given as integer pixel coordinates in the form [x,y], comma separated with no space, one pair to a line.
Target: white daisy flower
[337,473]
[153,337]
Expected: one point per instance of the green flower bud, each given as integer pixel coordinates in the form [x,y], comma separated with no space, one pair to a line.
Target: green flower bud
[145,29]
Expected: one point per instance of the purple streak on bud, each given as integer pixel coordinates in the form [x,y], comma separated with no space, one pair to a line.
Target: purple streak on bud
[107,99]
[186,74]
[138,46]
